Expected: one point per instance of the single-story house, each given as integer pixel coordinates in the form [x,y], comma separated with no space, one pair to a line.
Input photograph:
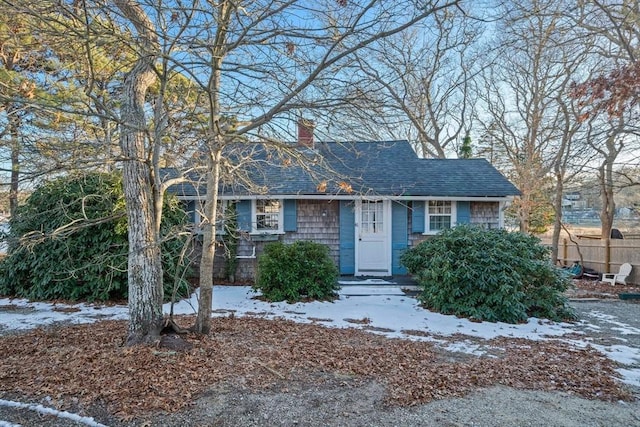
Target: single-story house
[368,201]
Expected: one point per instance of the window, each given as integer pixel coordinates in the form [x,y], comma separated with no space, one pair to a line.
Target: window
[267,216]
[372,217]
[440,215]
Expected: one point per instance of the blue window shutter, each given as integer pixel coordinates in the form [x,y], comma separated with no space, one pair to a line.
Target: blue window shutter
[399,236]
[290,215]
[417,217]
[190,209]
[243,211]
[463,212]
[347,237]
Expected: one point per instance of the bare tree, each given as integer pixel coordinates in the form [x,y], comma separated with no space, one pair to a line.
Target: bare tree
[254,68]
[261,61]
[616,27]
[417,84]
[611,96]
[526,96]
[571,158]
[611,138]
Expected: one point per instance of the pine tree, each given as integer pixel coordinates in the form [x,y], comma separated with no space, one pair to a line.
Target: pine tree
[466,152]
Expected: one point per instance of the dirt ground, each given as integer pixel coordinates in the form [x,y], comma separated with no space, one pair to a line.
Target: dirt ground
[258,373]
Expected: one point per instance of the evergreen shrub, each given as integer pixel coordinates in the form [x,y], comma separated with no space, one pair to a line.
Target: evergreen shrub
[69,241]
[491,275]
[295,272]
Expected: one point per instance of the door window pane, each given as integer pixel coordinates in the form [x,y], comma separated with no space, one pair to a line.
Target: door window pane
[372,220]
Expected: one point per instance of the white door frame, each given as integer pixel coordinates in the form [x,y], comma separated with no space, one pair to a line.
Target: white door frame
[385,245]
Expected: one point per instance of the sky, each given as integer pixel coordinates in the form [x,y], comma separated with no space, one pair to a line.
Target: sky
[388,309]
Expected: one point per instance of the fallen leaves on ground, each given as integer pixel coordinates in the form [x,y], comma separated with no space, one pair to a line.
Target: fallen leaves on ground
[584,288]
[88,363]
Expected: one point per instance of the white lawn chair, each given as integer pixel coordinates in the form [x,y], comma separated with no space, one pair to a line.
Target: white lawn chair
[620,277]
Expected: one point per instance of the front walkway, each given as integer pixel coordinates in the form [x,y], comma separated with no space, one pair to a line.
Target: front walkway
[367,286]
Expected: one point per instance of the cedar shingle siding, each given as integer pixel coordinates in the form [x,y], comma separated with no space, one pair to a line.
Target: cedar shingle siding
[316,227]
[311,225]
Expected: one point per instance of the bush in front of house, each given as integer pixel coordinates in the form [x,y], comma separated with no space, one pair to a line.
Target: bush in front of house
[69,241]
[298,271]
[490,275]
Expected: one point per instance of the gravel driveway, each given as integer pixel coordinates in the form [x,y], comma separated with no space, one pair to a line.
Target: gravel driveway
[610,320]
[612,326]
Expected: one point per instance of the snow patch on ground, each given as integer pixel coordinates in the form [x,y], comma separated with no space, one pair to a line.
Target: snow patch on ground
[630,376]
[623,328]
[89,421]
[385,310]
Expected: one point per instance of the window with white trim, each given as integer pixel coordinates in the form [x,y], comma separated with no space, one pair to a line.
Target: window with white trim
[440,215]
[268,216]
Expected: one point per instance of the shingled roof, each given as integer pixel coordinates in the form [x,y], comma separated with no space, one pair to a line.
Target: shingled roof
[389,168]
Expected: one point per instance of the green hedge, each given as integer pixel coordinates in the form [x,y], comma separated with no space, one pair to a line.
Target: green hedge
[294,272]
[491,275]
[87,257]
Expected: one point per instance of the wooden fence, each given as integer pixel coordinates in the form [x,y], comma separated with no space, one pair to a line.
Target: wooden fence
[602,255]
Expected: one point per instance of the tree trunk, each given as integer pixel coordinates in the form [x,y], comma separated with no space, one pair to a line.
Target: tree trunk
[145,263]
[203,323]
[215,143]
[557,224]
[15,177]
[611,149]
[525,211]
[607,211]
[14,133]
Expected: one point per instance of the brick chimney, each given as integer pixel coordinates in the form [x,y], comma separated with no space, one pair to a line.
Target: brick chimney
[305,132]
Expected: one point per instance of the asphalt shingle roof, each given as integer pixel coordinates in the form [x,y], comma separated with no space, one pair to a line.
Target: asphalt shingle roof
[389,168]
